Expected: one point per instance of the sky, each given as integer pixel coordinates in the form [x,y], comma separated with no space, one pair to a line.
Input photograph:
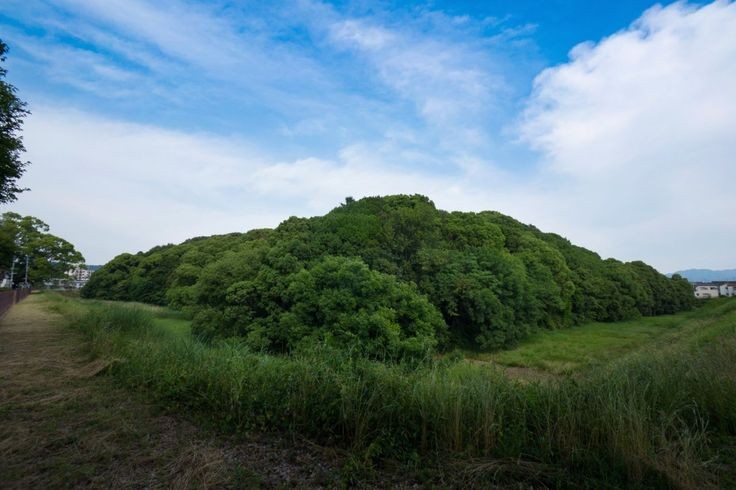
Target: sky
[610,123]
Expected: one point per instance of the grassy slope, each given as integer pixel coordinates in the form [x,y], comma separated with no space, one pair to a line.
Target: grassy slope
[574,349]
[645,421]
[585,346]
[567,350]
[177,326]
[170,321]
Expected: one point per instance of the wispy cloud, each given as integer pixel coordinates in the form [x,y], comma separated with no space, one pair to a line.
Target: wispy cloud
[344,78]
[213,117]
[133,186]
[451,76]
[82,69]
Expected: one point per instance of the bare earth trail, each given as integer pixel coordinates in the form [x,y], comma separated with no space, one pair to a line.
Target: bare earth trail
[61,426]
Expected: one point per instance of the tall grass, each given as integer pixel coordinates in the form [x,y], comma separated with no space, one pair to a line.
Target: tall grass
[642,422]
[567,350]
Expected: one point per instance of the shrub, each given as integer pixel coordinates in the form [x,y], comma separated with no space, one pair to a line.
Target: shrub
[491,278]
[337,301]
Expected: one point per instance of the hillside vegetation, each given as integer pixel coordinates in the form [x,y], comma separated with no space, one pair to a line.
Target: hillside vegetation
[388,277]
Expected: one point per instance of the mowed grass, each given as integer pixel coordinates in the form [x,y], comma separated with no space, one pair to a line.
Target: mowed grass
[583,347]
[65,424]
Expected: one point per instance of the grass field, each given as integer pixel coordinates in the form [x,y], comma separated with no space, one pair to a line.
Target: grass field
[168,320]
[177,326]
[651,403]
[594,344]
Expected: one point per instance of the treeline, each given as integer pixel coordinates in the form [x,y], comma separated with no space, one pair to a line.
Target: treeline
[27,238]
[388,277]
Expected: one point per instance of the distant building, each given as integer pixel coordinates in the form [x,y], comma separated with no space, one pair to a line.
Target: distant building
[727,289]
[715,289]
[706,290]
[79,276]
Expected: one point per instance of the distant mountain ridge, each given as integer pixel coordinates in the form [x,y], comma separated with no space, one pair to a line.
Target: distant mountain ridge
[708,275]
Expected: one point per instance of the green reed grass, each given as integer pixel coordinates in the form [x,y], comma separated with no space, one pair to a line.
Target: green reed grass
[644,421]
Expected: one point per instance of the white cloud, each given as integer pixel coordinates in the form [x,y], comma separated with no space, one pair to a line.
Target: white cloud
[635,134]
[447,79]
[181,30]
[641,128]
[80,68]
[110,186]
[448,76]
[170,52]
[364,36]
[342,79]
[200,35]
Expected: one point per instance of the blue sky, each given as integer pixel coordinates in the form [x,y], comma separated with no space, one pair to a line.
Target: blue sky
[157,121]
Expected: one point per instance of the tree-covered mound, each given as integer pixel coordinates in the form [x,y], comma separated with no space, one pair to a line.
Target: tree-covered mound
[388,277]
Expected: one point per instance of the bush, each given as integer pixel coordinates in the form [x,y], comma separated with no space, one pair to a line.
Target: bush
[491,278]
[338,301]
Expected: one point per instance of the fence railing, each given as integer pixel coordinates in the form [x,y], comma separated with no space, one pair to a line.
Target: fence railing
[9,298]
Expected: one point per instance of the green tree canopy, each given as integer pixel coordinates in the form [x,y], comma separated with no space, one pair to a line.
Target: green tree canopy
[12,112]
[353,275]
[49,256]
[336,300]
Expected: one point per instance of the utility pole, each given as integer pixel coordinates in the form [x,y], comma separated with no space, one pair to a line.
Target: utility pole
[12,271]
[26,280]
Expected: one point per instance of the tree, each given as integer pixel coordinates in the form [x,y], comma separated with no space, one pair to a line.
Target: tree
[339,301]
[354,276]
[49,256]
[12,112]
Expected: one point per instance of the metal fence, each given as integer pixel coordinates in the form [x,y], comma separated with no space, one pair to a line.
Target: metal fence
[9,298]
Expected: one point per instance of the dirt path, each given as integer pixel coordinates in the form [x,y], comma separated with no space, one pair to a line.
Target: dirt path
[62,427]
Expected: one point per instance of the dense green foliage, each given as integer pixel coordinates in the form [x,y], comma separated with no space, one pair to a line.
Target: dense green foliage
[49,256]
[382,271]
[12,112]
[651,420]
[338,300]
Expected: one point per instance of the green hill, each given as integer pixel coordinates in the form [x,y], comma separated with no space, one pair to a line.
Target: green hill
[388,277]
